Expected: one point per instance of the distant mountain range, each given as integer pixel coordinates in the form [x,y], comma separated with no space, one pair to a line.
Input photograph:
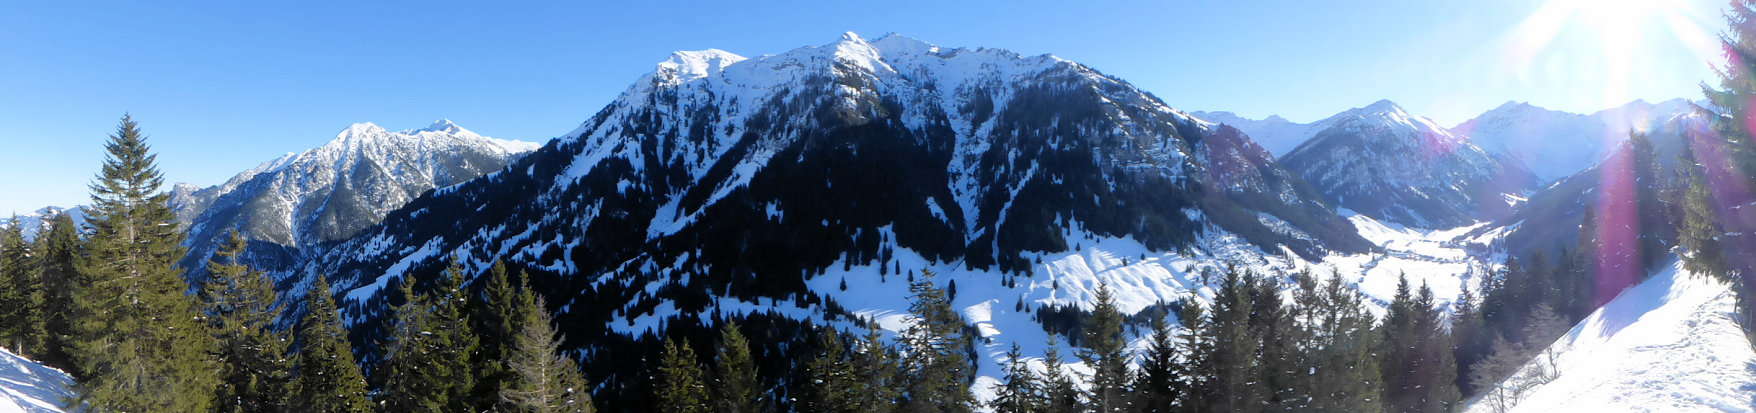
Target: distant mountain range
[333,191]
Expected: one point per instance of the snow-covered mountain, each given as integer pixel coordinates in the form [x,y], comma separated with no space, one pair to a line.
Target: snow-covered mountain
[1385,163]
[331,192]
[1274,133]
[35,222]
[1555,144]
[722,186]
[1670,344]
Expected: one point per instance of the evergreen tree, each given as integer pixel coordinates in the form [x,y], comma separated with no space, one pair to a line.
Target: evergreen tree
[327,379]
[1699,233]
[735,387]
[20,292]
[830,387]
[1732,100]
[241,306]
[681,387]
[1654,235]
[936,370]
[138,340]
[1472,343]
[1235,358]
[496,317]
[1059,392]
[57,249]
[1103,351]
[875,366]
[1198,347]
[542,380]
[1020,391]
[1157,382]
[1343,370]
[429,367]
[1585,259]
[1418,368]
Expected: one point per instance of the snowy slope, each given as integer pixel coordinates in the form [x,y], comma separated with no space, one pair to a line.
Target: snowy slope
[1669,344]
[28,387]
[1557,144]
[36,222]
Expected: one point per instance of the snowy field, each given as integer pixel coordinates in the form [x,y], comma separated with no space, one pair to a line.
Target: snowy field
[30,387]
[1667,345]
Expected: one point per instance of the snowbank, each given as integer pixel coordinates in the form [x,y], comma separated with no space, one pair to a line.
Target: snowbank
[30,387]
[1667,345]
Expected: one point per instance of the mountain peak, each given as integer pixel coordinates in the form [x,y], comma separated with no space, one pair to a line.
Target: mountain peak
[1383,106]
[691,65]
[442,126]
[360,130]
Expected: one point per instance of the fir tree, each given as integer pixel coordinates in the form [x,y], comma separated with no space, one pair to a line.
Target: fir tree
[1732,100]
[1654,235]
[1418,369]
[1157,383]
[1020,391]
[495,313]
[735,387]
[1344,374]
[241,306]
[1699,233]
[1059,392]
[1104,352]
[830,387]
[57,249]
[138,340]
[429,366]
[1235,355]
[936,371]
[542,380]
[680,386]
[20,292]
[327,379]
[874,366]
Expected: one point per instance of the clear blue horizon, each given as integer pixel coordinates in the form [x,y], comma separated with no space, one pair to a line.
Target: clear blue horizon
[223,86]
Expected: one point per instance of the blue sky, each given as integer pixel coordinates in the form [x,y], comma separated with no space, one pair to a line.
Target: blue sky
[222,86]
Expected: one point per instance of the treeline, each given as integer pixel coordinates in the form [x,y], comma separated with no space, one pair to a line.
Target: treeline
[1256,349]
[108,305]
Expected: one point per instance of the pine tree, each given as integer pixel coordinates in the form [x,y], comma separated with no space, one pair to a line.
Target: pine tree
[542,379]
[1343,371]
[58,247]
[20,292]
[1654,235]
[1732,101]
[830,387]
[138,339]
[735,387]
[936,371]
[1198,372]
[495,313]
[1235,358]
[875,366]
[1103,350]
[1419,369]
[680,386]
[1699,232]
[429,366]
[1059,391]
[241,306]
[1020,391]
[327,379]
[1585,261]
[1157,382]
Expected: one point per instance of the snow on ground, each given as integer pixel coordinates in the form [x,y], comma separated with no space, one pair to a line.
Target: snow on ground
[1666,345]
[29,387]
[1139,277]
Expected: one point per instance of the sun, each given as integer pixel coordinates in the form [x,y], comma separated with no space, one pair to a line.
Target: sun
[1616,36]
